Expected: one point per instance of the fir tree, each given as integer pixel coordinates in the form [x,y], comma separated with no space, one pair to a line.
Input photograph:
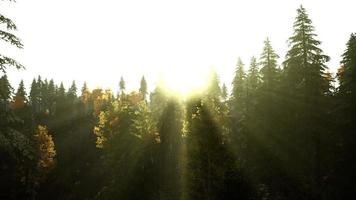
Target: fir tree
[268,62]
[224,92]
[9,37]
[305,62]
[20,98]
[5,90]
[72,92]
[345,115]
[253,77]
[305,85]
[122,85]
[143,88]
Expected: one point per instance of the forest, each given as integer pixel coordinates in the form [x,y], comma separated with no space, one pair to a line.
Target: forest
[283,132]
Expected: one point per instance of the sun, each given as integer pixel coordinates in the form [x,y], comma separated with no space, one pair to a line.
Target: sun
[184,82]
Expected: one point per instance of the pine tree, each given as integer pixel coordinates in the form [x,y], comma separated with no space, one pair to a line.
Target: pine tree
[268,62]
[5,97]
[211,170]
[252,85]
[213,90]
[239,90]
[72,92]
[41,91]
[20,98]
[122,85]
[51,96]
[61,91]
[143,88]
[224,92]
[253,77]
[346,118]
[305,86]
[33,92]
[45,104]
[347,73]
[5,90]
[305,62]
[158,101]
[170,127]
[8,37]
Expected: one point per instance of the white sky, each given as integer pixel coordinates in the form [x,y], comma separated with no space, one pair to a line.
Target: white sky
[100,40]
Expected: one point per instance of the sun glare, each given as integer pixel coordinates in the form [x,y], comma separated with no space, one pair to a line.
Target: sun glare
[184,82]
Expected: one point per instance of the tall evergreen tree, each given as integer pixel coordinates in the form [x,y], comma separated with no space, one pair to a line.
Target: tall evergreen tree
[211,170]
[170,130]
[253,77]
[72,92]
[305,85]
[5,90]
[20,98]
[305,62]
[214,90]
[346,118]
[143,88]
[224,93]
[268,62]
[122,85]
[238,90]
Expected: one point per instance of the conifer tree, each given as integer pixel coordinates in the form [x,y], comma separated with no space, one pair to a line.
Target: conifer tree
[224,93]
[268,62]
[9,37]
[51,96]
[170,127]
[5,90]
[143,88]
[238,90]
[214,91]
[305,62]
[211,170]
[72,92]
[347,73]
[305,86]
[253,77]
[158,101]
[20,98]
[346,118]
[122,85]
[61,91]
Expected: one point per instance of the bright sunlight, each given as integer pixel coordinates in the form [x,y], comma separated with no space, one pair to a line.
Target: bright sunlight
[183,83]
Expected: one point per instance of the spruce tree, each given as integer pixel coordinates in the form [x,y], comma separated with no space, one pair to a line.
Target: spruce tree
[213,90]
[253,77]
[211,169]
[347,73]
[224,92]
[305,62]
[122,85]
[5,90]
[346,118]
[239,90]
[268,62]
[143,88]
[170,127]
[20,98]
[305,86]
[9,37]
[72,92]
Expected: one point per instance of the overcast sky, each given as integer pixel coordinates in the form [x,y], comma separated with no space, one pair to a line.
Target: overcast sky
[100,40]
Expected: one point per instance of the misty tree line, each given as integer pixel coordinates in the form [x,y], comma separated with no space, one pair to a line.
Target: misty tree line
[284,132]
